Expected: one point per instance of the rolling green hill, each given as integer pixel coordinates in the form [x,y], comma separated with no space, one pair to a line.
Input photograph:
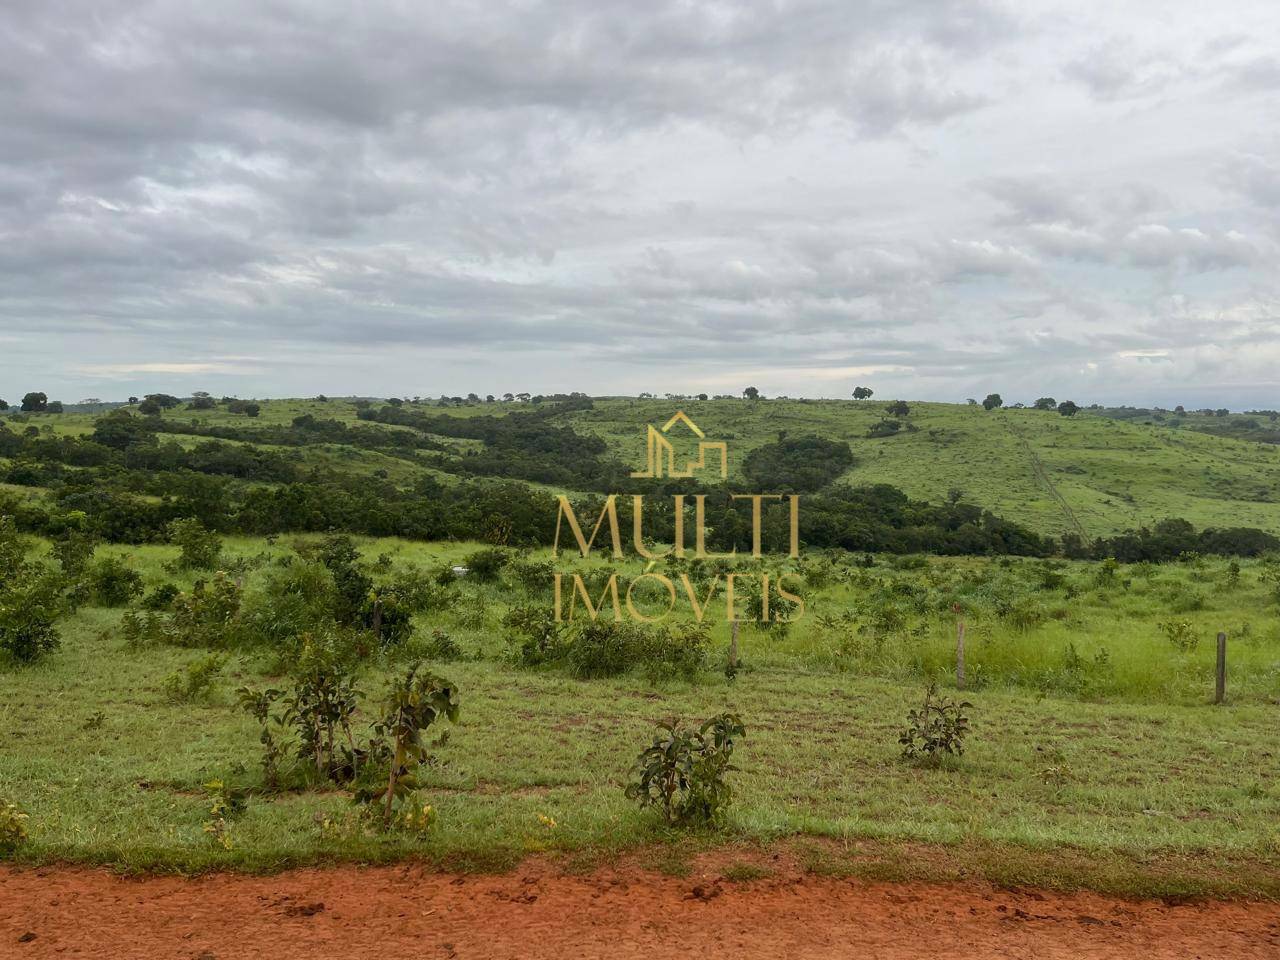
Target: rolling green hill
[1092,474]
[1088,474]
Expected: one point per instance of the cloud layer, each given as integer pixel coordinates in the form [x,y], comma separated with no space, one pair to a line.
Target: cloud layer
[941,198]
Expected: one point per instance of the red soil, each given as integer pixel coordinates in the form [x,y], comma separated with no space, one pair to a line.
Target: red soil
[540,911]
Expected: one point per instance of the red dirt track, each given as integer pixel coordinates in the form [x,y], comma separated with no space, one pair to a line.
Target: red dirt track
[538,911]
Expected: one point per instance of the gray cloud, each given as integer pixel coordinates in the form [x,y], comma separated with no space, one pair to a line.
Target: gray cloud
[285,198]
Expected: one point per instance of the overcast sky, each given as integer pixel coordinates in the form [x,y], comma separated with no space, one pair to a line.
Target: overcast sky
[936,199]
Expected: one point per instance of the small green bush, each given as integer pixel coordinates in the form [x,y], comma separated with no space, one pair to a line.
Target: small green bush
[1180,634]
[194,681]
[683,771]
[113,583]
[486,565]
[440,646]
[938,727]
[201,549]
[161,598]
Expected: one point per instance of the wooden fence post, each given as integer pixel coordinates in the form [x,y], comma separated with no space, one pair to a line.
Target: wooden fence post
[733,646]
[1220,684]
[960,654]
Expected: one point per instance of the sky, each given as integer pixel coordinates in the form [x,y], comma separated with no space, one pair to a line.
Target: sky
[936,199]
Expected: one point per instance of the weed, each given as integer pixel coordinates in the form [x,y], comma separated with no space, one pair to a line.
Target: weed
[13,827]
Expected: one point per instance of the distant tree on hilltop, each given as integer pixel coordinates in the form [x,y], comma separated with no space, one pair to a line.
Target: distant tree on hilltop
[862,393]
[993,400]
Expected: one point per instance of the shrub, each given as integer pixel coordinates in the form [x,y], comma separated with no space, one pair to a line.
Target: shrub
[112,582]
[591,649]
[296,598]
[321,705]
[201,549]
[161,598]
[32,598]
[208,616]
[683,771]
[13,827]
[486,565]
[416,701]
[419,591]
[194,681]
[535,633]
[441,646]
[1181,634]
[225,804]
[938,727]
[533,575]
[603,648]
[677,650]
[73,551]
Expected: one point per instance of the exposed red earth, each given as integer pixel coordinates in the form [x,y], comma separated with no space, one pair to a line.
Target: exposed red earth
[539,910]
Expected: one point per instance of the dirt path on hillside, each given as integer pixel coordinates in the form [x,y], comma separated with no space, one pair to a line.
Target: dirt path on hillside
[538,911]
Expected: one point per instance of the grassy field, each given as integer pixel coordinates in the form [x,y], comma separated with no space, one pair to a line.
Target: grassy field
[1090,474]
[1103,769]
[1086,474]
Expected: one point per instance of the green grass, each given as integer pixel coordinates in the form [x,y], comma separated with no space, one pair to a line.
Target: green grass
[1120,778]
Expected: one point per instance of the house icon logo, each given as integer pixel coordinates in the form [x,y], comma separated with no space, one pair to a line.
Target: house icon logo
[660,455]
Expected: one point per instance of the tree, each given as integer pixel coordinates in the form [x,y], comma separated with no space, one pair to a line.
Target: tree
[120,429]
[1046,403]
[4,405]
[149,408]
[751,393]
[898,408]
[702,396]
[55,406]
[164,400]
[1068,409]
[201,403]
[133,399]
[862,393]
[993,400]
[35,403]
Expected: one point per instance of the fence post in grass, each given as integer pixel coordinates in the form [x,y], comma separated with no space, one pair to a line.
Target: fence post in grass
[733,645]
[959,651]
[1220,681]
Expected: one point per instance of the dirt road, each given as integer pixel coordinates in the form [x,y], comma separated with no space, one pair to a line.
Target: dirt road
[539,911]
